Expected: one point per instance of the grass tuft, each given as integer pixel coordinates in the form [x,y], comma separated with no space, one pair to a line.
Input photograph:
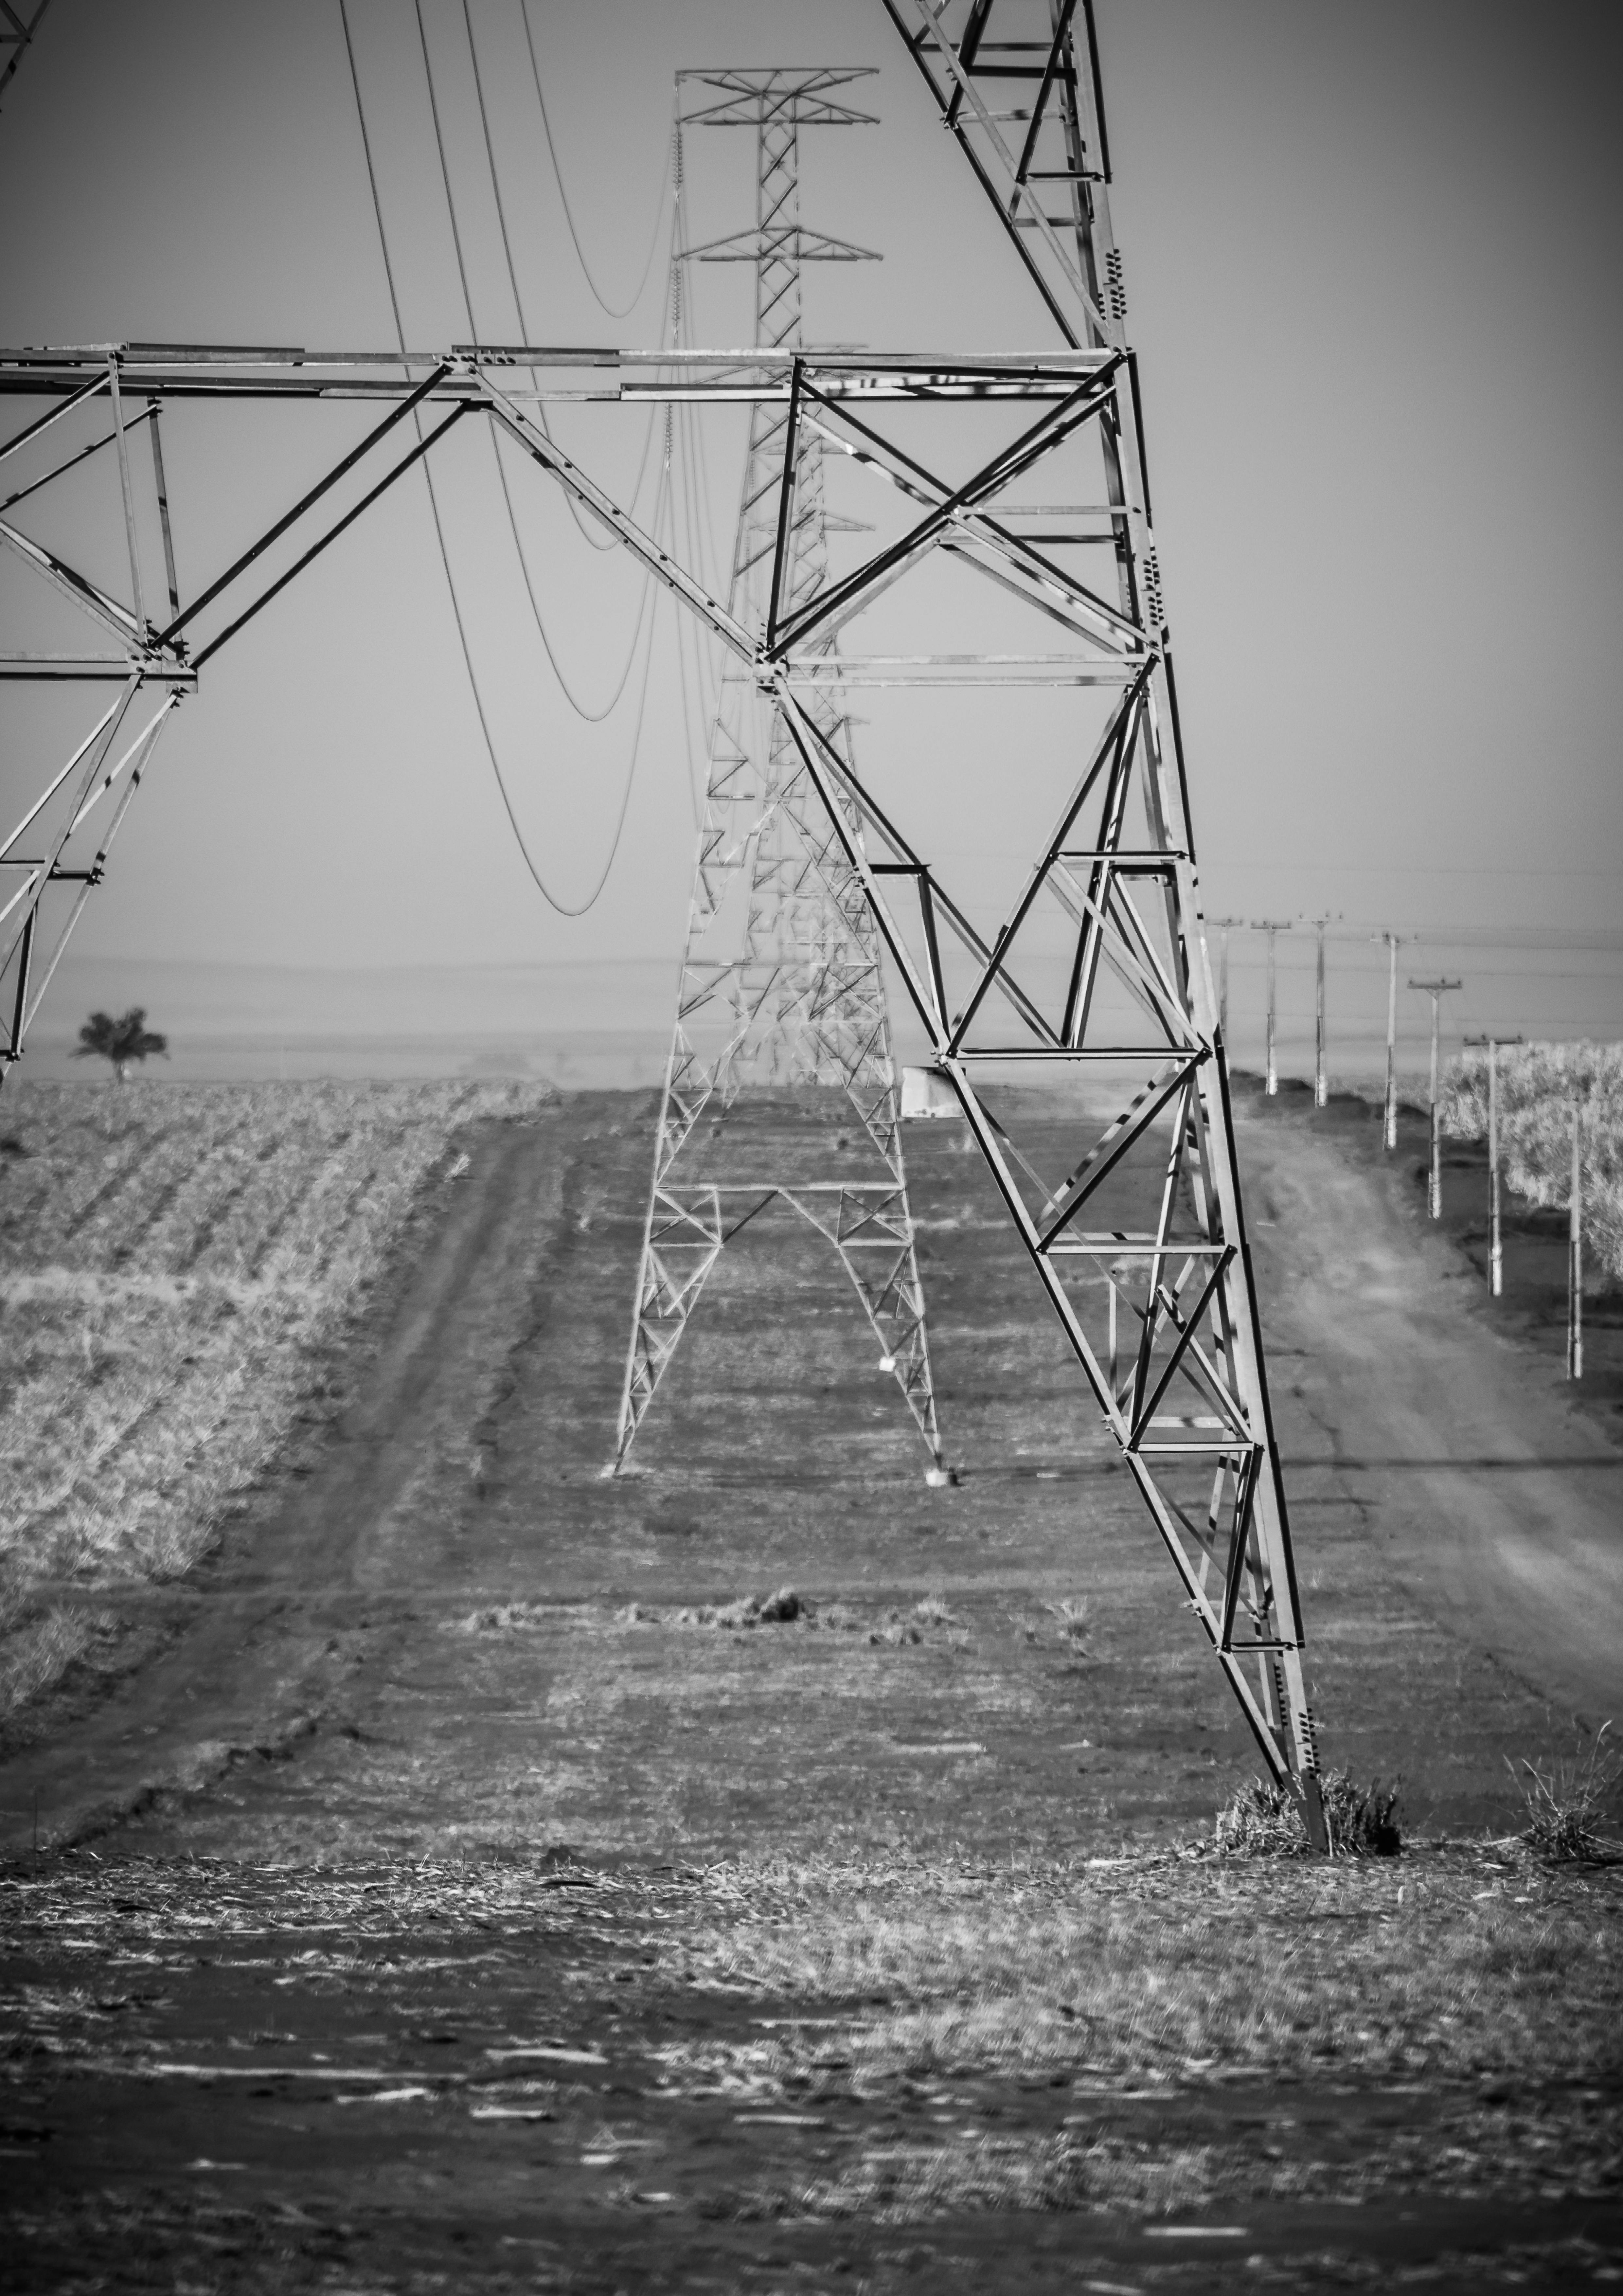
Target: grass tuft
[1073,1617]
[1265,1820]
[780,1609]
[1362,1822]
[896,1631]
[505,1619]
[1260,1819]
[1566,1804]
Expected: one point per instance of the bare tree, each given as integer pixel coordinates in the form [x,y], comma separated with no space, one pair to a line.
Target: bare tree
[128,1038]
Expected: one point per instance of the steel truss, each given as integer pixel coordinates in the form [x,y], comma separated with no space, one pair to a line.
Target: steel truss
[781,976]
[1094,965]
[18,26]
[1016,83]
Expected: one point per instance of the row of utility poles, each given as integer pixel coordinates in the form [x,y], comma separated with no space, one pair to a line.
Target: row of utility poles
[1272,926]
[1436,990]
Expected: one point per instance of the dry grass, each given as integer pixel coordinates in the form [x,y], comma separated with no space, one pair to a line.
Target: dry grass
[176,1262]
[1567,1803]
[1075,1617]
[37,1645]
[1445,1963]
[1538,1085]
[1155,1977]
[953,2035]
[1261,1819]
[894,1627]
[906,2183]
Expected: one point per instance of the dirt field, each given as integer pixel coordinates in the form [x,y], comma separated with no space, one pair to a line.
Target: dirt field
[179,1266]
[443,1902]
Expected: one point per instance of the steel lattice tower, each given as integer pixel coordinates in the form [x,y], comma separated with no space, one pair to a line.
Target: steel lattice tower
[780,977]
[1002,480]
[1175,1360]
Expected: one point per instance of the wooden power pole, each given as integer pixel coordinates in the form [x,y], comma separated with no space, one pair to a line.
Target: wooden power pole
[1574,1252]
[1271,926]
[1495,1240]
[1435,990]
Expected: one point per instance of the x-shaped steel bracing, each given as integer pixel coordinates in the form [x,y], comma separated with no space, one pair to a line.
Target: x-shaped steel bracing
[1160,1312]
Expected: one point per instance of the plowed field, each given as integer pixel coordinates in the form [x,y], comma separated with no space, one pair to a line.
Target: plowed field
[451,1897]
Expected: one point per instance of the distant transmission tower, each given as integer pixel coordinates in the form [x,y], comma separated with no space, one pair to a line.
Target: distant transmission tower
[780,979]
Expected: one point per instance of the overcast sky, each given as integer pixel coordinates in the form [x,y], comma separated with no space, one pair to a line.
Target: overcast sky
[1372,261]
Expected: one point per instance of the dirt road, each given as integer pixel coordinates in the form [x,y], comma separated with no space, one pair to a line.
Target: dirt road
[1483,1491]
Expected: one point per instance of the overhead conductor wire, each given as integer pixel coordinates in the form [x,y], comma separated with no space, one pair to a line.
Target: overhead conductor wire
[594,716]
[615,312]
[679,253]
[586,526]
[663,494]
[695,491]
[563,908]
[684,495]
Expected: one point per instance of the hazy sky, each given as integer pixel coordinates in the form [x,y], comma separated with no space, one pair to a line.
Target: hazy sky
[1372,258]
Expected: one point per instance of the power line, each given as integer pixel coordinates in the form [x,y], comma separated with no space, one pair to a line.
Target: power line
[1441,940]
[372,178]
[562,907]
[593,717]
[614,311]
[1403,869]
[703,549]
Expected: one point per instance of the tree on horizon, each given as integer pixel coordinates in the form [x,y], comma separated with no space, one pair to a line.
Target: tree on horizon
[121,1041]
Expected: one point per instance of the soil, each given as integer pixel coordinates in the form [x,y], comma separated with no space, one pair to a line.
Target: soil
[439,1642]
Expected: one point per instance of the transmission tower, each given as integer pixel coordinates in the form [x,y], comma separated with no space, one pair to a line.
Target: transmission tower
[781,976]
[1020,474]
[1017,83]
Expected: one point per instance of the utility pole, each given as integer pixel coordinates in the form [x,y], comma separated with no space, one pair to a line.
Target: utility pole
[1389,1122]
[1435,990]
[1321,1078]
[1223,924]
[1495,1247]
[1272,925]
[1574,1252]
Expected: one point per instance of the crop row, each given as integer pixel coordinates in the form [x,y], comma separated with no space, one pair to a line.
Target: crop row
[176,1262]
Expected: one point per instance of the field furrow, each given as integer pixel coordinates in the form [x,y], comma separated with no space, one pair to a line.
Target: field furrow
[175,1263]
